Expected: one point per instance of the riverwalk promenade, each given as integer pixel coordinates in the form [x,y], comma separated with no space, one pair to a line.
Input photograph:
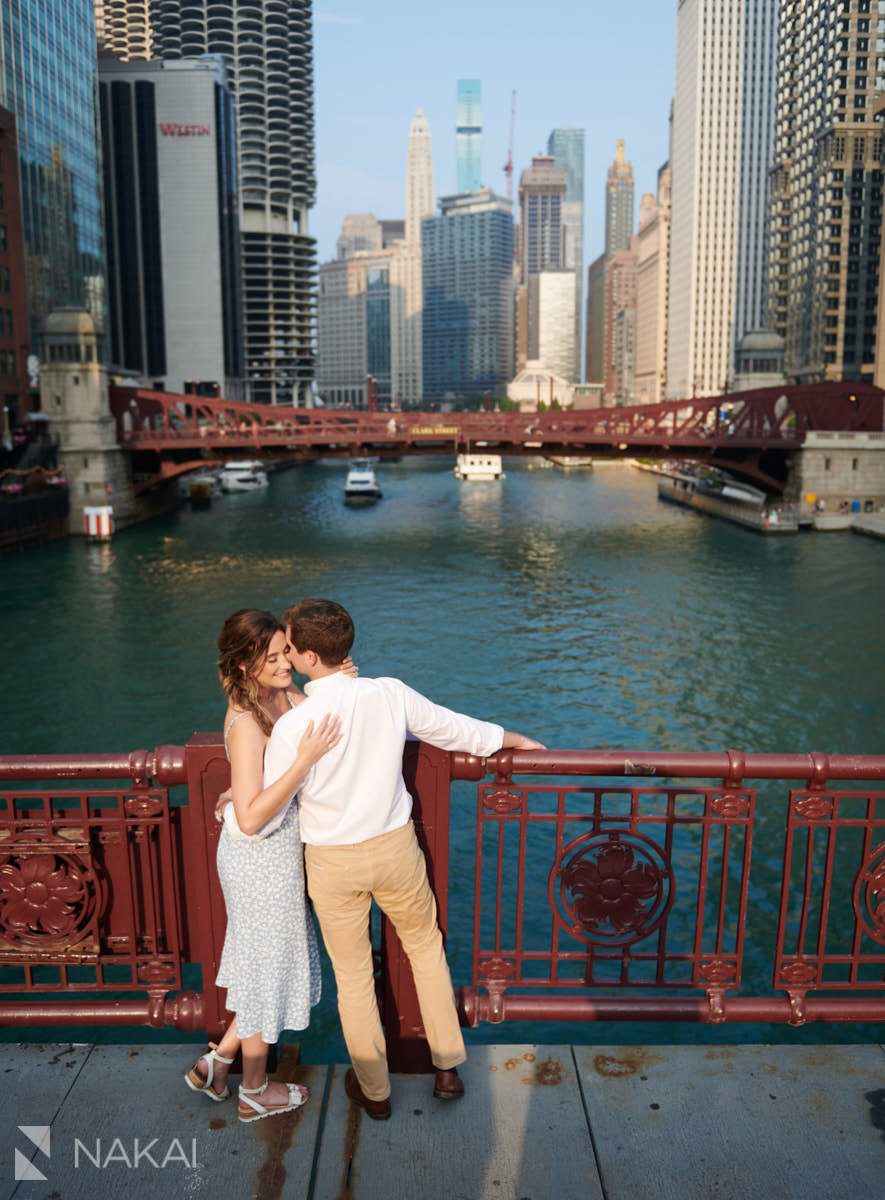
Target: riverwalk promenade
[590,1122]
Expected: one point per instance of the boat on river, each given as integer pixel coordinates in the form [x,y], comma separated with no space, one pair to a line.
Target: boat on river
[721,495]
[245,475]
[361,483]
[571,462]
[199,487]
[479,466]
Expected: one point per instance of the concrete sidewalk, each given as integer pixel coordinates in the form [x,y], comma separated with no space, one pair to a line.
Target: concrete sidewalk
[538,1122]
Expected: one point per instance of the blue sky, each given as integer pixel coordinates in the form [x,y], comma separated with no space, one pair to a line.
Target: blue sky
[607,68]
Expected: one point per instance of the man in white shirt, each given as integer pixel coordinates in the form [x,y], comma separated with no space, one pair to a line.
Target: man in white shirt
[360,844]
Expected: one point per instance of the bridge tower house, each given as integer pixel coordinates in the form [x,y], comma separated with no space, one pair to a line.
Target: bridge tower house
[74,395]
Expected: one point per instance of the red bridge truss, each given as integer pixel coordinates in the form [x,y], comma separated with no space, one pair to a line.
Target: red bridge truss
[736,430]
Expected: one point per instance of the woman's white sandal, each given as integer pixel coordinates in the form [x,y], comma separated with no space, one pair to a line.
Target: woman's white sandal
[297,1097]
[197,1083]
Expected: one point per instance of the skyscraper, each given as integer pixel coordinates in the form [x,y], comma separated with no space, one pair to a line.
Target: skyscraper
[173,238]
[467,253]
[567,148]
[267,47]
[123,30]
[541,197]
[722,116]
[826,190]
[48,81]
[468,135]
[619,201]
[652,258]
[407,374]
[594,371]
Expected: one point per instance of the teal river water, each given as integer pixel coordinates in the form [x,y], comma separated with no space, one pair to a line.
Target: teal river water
[575,607]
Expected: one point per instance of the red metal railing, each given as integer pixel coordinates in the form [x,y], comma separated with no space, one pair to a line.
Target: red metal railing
[593,900]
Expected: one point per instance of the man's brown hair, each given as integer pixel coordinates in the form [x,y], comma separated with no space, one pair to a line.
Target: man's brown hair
[323,627]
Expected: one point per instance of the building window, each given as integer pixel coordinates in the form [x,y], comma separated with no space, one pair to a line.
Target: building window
[854,464]
[4,240]
[4,280]
[826,464]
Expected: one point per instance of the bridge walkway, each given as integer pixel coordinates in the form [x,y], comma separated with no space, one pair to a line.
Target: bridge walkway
[785,1122]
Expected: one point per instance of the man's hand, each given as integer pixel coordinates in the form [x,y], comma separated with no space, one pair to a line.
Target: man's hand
[518,741]
[223,800]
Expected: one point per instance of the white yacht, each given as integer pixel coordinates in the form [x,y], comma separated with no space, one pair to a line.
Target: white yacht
[479,466]
[361,483]
[246,475]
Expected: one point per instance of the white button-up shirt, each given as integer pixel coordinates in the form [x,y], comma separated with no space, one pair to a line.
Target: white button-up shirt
[356,791]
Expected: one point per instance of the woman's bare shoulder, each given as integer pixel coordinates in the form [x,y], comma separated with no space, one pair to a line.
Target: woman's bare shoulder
[241,726]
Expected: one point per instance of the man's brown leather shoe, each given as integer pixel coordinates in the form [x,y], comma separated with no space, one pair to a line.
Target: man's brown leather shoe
[448,1085]
[378,1110]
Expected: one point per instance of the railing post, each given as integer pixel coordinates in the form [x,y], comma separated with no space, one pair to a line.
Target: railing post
[428,774]
[205,921]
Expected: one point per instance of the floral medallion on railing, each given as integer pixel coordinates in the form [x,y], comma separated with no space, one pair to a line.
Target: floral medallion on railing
[48,899]
[612,888]
[869,895]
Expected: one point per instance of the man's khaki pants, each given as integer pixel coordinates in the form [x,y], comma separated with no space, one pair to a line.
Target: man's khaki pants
[341,881]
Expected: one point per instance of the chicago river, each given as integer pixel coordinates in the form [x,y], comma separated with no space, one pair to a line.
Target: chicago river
[576,607]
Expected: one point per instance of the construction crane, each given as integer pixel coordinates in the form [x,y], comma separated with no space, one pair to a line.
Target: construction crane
[508,165]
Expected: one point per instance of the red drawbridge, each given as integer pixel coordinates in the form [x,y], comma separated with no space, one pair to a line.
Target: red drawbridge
[750,432]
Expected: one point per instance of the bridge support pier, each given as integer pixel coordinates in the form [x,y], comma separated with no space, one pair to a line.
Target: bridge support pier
[74,394]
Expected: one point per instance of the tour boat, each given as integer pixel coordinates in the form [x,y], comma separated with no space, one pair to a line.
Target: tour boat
[243,476]
[200,487]
[361,483]
[478,466]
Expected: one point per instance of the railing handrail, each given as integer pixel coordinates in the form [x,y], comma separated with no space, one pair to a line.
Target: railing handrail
[166,765]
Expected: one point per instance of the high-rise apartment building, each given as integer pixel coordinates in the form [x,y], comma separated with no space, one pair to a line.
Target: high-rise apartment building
[620,318]
[652,259]
[123,28]
[468,135]
[826,188]
[48,80]
[408,384]
[619,201]
[541,197]
[551,308]
[542,188]
[172,227]
[267,47]
[594,370]
[468,326]
[359,231]
[356,332]
[567,149]
[721,148]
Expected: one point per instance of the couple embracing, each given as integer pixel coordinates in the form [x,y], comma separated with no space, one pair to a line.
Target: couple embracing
[317,789]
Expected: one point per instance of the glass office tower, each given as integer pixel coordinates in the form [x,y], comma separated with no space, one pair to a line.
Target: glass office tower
[566,146]
[468,135]
[48,79]
[468,334]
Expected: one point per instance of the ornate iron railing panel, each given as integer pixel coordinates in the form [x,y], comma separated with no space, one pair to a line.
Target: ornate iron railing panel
[831,927]
[646,887]
[88,891]
[597,901]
